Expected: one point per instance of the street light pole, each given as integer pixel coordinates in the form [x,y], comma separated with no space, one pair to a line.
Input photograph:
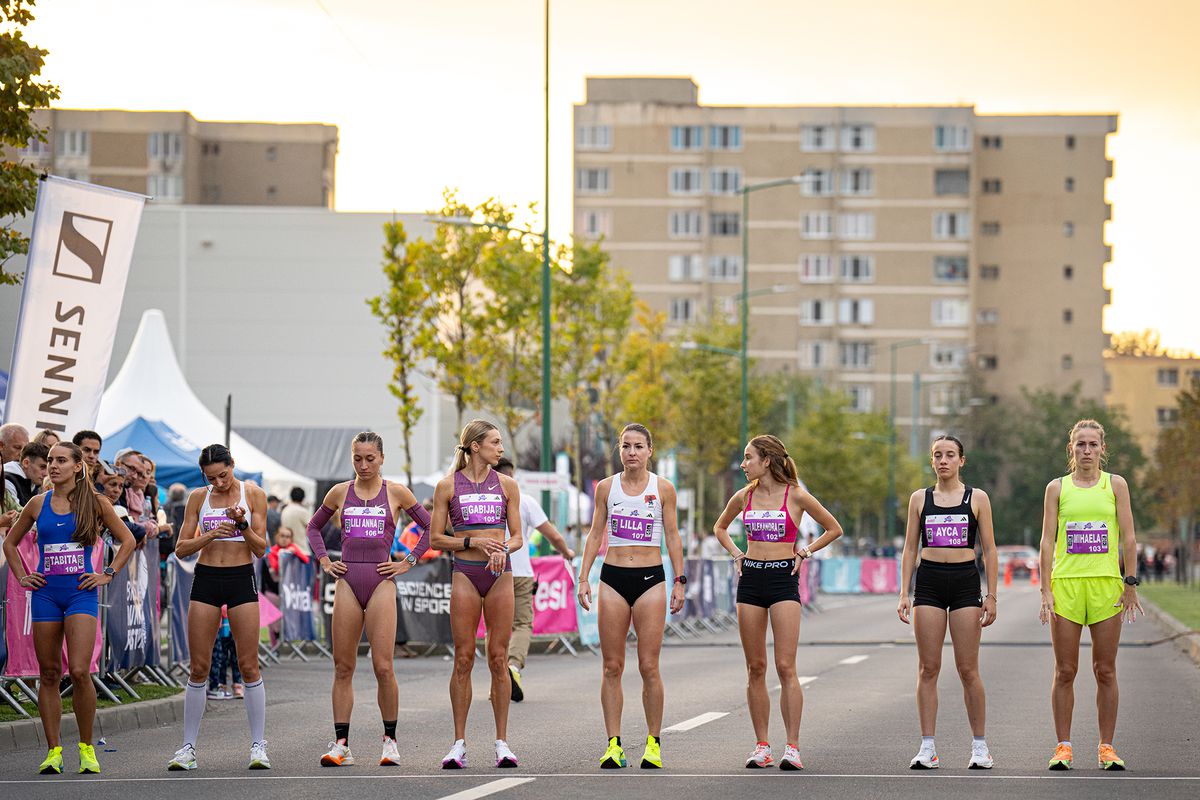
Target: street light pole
[546,438]
[891,498]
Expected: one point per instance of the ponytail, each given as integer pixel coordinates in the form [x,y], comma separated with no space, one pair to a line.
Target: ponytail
[782,466]
[473,432]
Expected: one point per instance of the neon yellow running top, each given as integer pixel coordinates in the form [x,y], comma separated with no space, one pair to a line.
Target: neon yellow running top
[1087,544]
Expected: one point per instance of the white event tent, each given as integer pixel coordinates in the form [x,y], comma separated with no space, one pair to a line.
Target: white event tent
[151,385]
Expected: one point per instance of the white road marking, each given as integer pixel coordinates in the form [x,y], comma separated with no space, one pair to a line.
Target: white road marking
[187,778]
[696,722]
[488,788]
[804,680]
[853,659]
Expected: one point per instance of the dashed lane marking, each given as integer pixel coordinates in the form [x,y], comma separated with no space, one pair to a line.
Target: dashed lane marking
[696,722]
[853,659]
[486,789]
[804,680]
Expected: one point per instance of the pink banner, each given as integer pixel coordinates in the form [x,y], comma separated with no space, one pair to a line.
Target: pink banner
[554,603]
[268,612]
[18,634]
[878,576]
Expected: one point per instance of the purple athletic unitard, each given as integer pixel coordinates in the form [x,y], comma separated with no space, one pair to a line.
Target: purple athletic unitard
[368,531]
[478,507]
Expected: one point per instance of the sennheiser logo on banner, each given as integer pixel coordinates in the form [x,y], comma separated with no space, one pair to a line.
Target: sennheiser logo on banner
[82,247]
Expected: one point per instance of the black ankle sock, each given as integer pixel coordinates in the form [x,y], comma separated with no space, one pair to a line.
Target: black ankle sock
[618,738]
[389,728]
[656,740]
[341,732]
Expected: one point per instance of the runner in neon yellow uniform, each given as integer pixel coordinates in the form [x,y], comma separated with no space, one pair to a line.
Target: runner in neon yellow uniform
[1087,532]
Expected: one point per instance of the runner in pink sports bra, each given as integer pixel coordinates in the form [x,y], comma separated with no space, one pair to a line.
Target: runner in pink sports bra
[769,526]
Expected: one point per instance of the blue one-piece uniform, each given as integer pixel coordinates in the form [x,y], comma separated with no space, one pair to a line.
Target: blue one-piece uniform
[63,561]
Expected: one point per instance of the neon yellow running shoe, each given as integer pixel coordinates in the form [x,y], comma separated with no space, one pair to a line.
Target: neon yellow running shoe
[87,760]
[614,756]
[53,763]
[652,758]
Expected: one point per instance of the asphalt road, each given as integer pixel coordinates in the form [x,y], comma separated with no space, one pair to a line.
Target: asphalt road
[859,730]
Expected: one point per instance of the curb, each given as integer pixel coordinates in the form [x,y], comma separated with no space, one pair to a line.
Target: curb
[27,733]
[1190,645]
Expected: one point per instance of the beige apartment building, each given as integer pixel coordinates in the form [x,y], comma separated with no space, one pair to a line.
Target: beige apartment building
[1147,389]
[934,236]
[178,159]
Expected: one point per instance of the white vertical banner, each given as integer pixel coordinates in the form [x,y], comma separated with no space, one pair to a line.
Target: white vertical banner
[79,254]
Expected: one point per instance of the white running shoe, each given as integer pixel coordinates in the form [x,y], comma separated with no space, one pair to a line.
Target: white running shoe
[791,760]
[980,757]
[258,755]
[457,757]
[505,758]
[761,757]
[391,753]
[926,758]
[339,755]
[185,758]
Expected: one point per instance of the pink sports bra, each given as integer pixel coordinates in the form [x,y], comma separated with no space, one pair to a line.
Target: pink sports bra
[764,525]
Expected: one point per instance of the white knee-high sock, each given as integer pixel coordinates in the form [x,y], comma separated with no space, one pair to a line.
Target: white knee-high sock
[194,700]
[256,709]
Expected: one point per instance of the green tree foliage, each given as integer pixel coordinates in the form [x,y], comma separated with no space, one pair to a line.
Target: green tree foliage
[402,309]
[1177,462]
[644,363]
[20,93]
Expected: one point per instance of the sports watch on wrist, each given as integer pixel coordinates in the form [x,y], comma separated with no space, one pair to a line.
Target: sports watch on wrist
[411,559]
[243,525]
[1132,580]
[681,580]
[109,571]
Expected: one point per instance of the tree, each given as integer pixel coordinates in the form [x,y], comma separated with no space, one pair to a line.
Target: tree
[402,309]
[1177,462]
[1147,342]
[20,93]
[643,365]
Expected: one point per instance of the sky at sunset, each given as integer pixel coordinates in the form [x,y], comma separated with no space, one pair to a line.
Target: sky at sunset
[433,94]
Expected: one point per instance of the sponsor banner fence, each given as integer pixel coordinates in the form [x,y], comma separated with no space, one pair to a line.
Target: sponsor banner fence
[295,598]
[879,575]
[554,604]
[180,574]
[131,634]
[841,575]
[423,603]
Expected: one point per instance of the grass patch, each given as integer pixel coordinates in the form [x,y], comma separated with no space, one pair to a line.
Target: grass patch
[147,691]
[1179,601]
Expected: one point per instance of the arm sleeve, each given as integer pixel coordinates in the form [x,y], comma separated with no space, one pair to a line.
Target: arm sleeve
[417,513]
[315,541]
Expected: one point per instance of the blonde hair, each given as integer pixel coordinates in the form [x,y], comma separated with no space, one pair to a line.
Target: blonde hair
[1075,429]
[782,466]
[472,432]
[82,497]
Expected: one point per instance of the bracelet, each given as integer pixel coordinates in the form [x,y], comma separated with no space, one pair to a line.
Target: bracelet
[737,556]
[991,596]
[466,543]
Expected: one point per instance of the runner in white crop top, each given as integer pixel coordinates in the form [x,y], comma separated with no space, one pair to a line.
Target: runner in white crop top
[635,520]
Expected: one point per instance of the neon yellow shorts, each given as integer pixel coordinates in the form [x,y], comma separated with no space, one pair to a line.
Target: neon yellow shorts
[1087,600]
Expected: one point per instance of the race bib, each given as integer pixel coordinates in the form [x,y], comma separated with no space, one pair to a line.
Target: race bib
[63,559]
[631,528]
[210,521]
[1087,537]
[482,509]
[363,522]
[946,530]
[765,526]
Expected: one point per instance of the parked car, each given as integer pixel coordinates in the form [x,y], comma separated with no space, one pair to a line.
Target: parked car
[1024,559]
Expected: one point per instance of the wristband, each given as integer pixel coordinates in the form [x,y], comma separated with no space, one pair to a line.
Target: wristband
[989,595]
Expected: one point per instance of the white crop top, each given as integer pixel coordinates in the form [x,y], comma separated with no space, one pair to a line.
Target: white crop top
[212,517]
[638,520]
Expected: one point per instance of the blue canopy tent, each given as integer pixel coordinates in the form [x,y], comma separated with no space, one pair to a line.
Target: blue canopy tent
[176,459]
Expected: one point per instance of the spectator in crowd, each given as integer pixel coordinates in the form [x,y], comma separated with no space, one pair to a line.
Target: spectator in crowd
[176,504]
[284,543]
[1160,564]
[273,517]
[48,438]
[23,478]
[13,438]
[295,516]
[89,443]
[136,482]
[112,486]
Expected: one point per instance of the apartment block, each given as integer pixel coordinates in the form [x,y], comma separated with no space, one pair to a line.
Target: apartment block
[178,159]
[1147,389]
[912,243]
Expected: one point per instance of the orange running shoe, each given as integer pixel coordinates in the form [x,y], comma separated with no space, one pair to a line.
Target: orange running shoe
[1109,759]
[1062,757]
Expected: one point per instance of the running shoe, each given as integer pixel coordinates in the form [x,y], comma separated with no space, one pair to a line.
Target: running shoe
[339,755]
[1062,757]
[239,692]
[981,758]
[457,757]
[614,756]
[791,760]
[53,763]
[518,693]
[219,693]
[505,758]
[258,755]
[185,758]
[88,765]
[761,757]
[926,758]
[652,758]
[391,753]
[1109,758]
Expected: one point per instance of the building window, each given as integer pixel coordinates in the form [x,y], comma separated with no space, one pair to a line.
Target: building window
[685,225]
[725,223]
[856,226]
[165,188]
[592,180]
[950,312]
[595,224]
[35,148]
[814,354]
[816,312]
[952,138]
[951,182]
[271,192]
[1070,142]
[1168,416]
[683,310]
[860,398]
[725,180]
[987,316]
[816,225]
[948,357]
[858,182]
[991,186]
[1068,362]
[1193,375]
[855,355]
[166,146]
[944,398]
[73,144]
[272,152]
[1068,272]
[1068,229]
[856,311]
[988,363]
[1068,316]
[816,268]
[593,137]
[950,269]
[858,269]
[683,267]
[686,180]
[210,148]
[816,138]
[991,142]
[989,228]
[989,272]
[817,183]
[1069,184]
[687,137]
[858,138]
[1168,376]
[725,137]
[951,225]
[725,269]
